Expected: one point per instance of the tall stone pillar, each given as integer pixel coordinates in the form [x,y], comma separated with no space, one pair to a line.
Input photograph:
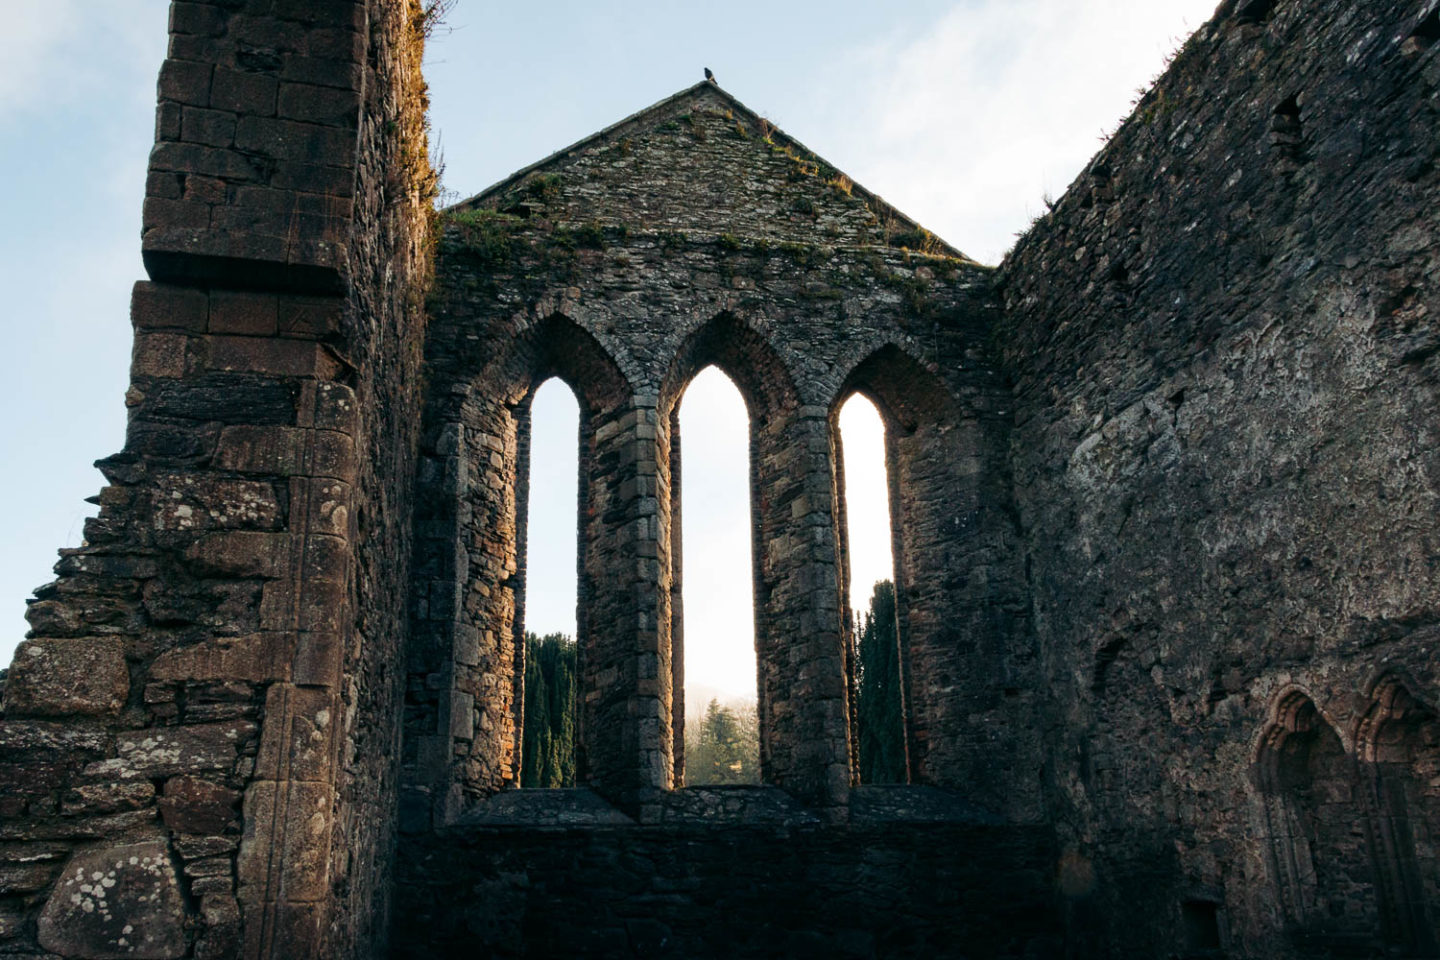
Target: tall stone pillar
[625,599]
[179,710]
[799,632]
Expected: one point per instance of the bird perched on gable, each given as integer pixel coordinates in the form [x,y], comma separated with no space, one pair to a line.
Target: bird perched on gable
[709,76]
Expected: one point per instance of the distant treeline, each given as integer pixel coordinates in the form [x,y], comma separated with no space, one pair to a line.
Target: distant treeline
[724,745]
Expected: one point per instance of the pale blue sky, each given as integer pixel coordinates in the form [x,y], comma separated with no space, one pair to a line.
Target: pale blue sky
[963,114]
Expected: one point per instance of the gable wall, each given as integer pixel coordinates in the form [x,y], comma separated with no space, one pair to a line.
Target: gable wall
[700,163]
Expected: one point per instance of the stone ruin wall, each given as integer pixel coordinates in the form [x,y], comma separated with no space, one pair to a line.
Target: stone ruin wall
[1220,446]
[626,307]
[689,237]
[1223,341]
[197,730]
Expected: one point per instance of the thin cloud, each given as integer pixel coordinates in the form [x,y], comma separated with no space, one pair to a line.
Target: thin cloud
[969,125]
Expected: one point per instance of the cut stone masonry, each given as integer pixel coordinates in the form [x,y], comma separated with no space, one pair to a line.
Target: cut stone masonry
[1163,493]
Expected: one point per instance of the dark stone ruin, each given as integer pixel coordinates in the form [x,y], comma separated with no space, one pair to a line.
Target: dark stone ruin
[1164,493]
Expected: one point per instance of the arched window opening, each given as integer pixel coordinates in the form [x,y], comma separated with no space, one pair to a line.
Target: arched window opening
[546,606]
[1400,740]
[878,711]
[720,739]
[1320,837]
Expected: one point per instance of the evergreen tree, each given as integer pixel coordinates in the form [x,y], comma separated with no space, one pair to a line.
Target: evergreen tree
[882,729]
[724,746]
[548,746]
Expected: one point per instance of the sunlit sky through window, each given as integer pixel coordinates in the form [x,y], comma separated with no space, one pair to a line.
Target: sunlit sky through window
[719,633]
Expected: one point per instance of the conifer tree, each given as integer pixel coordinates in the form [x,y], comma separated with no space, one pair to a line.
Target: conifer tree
[882,731]
[548,744]
[724,746]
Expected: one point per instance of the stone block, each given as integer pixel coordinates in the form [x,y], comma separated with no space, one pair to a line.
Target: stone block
[213,128]
[169,751]
[335,44]
[159,355]
[323,608]
[271,356]
[315,104]
[167,123]
[94,798]
[288,140]
[185,82]
[29,740]
[196,848]
[335,14]
[220,912]
[199,19]
[244,92]
[319,178]
[167,184]
[75,676]
[330,406]
[250,314]
[327,505]
[298,735]
[193,805]
[270,449]
[118,902]
[333,456]
[321,71]
[23,878]
[256,658]
[319,658]
[241,554]
[293,819]
[188,158]
[200,189]
[187,502]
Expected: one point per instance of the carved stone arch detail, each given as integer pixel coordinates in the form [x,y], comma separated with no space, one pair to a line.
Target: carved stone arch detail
[1293,709]
[558,346]
[745,355]
[1397,741]
[906,390]
[1317,829]
[1391,698]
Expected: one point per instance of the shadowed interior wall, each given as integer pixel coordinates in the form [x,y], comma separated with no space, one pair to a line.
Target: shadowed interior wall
[1225,455]
[1164,490]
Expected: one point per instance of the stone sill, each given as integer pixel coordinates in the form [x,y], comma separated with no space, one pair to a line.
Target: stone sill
[581,807]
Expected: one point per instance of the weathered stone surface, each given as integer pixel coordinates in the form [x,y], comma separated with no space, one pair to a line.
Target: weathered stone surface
[91,798]
[192,805]
[254,658]
[1226,464]
[167,751]
[1164,492]
[116,902]
[76,676]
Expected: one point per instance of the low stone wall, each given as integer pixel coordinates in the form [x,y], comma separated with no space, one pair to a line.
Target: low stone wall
[742,879]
